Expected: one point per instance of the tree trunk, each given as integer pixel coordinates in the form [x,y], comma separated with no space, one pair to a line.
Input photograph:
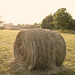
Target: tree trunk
[62,29]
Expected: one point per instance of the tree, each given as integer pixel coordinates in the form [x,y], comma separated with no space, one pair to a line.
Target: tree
[73,27]
[1,21]
[51,25]
[49,18]
[46,23]
[62,19]
[35,24]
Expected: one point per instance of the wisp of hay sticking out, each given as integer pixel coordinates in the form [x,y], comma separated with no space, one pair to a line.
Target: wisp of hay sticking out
[39,49]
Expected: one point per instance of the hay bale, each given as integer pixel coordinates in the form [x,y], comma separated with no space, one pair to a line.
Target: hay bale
[39,49]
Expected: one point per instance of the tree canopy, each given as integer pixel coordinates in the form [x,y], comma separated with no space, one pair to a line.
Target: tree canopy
[47,22]
[62,19]
[1,21]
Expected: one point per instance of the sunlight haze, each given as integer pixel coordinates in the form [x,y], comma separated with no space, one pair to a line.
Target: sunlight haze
[31,11]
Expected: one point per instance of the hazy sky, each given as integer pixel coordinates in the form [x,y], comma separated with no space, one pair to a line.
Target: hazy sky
[31,11]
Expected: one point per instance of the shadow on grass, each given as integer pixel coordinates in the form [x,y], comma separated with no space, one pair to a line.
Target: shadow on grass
[66,72]
[15,70]
[67,31]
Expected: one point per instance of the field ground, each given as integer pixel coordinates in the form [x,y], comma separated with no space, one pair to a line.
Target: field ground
[7,38]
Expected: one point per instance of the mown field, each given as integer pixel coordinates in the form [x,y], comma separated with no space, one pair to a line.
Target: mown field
[7,38]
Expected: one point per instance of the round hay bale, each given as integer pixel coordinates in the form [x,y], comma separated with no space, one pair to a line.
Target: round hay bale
[39,49]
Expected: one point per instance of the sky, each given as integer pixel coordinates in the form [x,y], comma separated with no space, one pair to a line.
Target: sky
[31,11]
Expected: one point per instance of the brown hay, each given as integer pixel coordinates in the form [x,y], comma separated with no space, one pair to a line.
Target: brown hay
[39,49]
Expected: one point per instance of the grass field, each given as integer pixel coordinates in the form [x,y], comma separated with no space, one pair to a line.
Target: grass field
[7,38]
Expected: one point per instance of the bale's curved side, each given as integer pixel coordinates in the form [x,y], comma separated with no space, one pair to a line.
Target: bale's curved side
[39,48]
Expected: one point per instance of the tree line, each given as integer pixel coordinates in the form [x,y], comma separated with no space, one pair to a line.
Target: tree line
[61,19]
